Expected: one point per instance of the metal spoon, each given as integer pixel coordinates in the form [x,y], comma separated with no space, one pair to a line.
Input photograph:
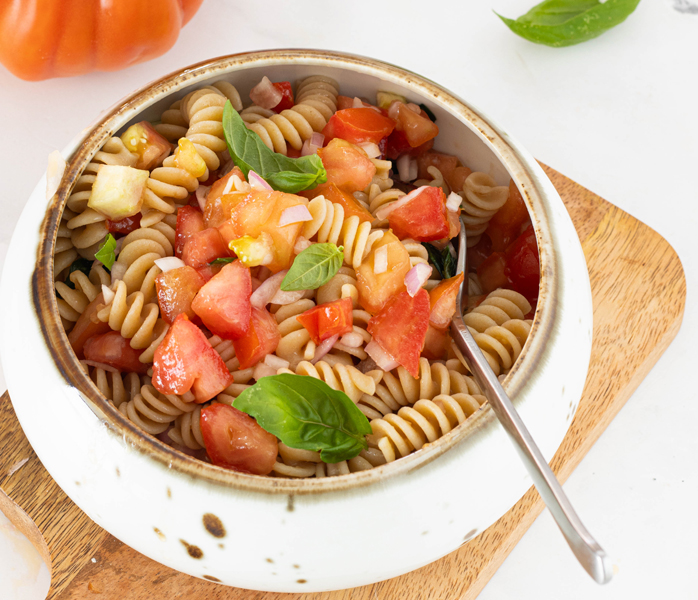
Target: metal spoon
[587,550]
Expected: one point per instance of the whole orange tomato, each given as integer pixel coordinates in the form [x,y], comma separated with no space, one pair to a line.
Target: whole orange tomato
[40,39]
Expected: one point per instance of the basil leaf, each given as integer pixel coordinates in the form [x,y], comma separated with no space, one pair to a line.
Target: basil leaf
[223,261]
[560,23]
[435,258]
[306,413]
[249,153]
[426,109]
[450,266]
[313,267]
[107,252]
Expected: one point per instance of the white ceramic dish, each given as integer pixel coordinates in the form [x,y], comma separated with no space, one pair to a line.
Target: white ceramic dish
[286,535]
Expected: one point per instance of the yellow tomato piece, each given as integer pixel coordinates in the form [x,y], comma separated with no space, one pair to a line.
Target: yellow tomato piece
[376,288]
[187,158]
[253,252]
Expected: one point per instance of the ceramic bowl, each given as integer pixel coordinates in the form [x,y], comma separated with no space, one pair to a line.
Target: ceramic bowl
[277,534]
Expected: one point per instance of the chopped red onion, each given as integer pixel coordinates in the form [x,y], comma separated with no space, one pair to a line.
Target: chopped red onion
[414,108]
[352,340]
[380,260]
[283,298]
[99,365]
[257,182]
[324,348]
[403,167]
[301,244]
[380,356]
[312,144]
[201,193]
[263,370]
[119,245]
[265,292]
[385,210]
[108,294]
[168,263]
[453,202]
[371,149]
[317,139]
[416,277]
[295,214]
[265,94]
[394,109]
[276,362]
[414,169]
[229,185]
[118,270]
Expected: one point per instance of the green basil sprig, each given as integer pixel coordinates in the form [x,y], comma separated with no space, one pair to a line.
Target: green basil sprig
[443,260]
[223,260]
[249,153]
[566,22]
[313,267]
[306,413]
[107,252]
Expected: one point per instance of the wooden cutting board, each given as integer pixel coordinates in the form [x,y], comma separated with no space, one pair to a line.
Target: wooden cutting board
[639,292]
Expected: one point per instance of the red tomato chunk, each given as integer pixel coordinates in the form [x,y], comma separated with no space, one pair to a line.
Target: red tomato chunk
[326,320]
[261,338]
[176,290]
[185,360]
[223,303]
[124,226]
[423,218]
[523,267]
[442,300]
[87,325]
[189,221]
[358,125]
[114,350]
[401,326]
[347,166]
[508,221]
[286,101]
[234,440]
[204,247]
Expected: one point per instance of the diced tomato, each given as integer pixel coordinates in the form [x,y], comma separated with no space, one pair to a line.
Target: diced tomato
[505,225]
[418,128]
[335,195]
[401,326]
[375,288]
[87,326]
[493,273]
[114,350]
[259,212]
[478,253]
[344,102]
[326,320]
[436,343]
[148,144]
[398,145]
[423,218]
[347,165]
[458,177]
[214,212]
[523,266]
[261,339]
[234,440]
[208,271]
[124,226]
[443,162]
[185,360]
[358,125]
[442,301]
[223,303]
[453,220]
[203,247]
[286,101]
[176,290]
[291,152]
[189,221]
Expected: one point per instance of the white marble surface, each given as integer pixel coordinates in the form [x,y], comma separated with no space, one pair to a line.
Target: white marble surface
[618,114]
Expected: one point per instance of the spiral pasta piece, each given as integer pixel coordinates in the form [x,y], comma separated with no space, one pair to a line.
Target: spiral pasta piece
[344,378]
[418,253]
[328,225]
[115,386]
[500,306]
[377,198]
[297,463]
[186,429]
[397,435]
[437,180]
[153,412]
[73,301]
[295,344]
[482,198]
[316,102]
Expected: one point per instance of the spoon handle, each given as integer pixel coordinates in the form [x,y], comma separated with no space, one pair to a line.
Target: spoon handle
[587,550]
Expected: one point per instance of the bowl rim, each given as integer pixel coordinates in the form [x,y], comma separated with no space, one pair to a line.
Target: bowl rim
[516,161]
